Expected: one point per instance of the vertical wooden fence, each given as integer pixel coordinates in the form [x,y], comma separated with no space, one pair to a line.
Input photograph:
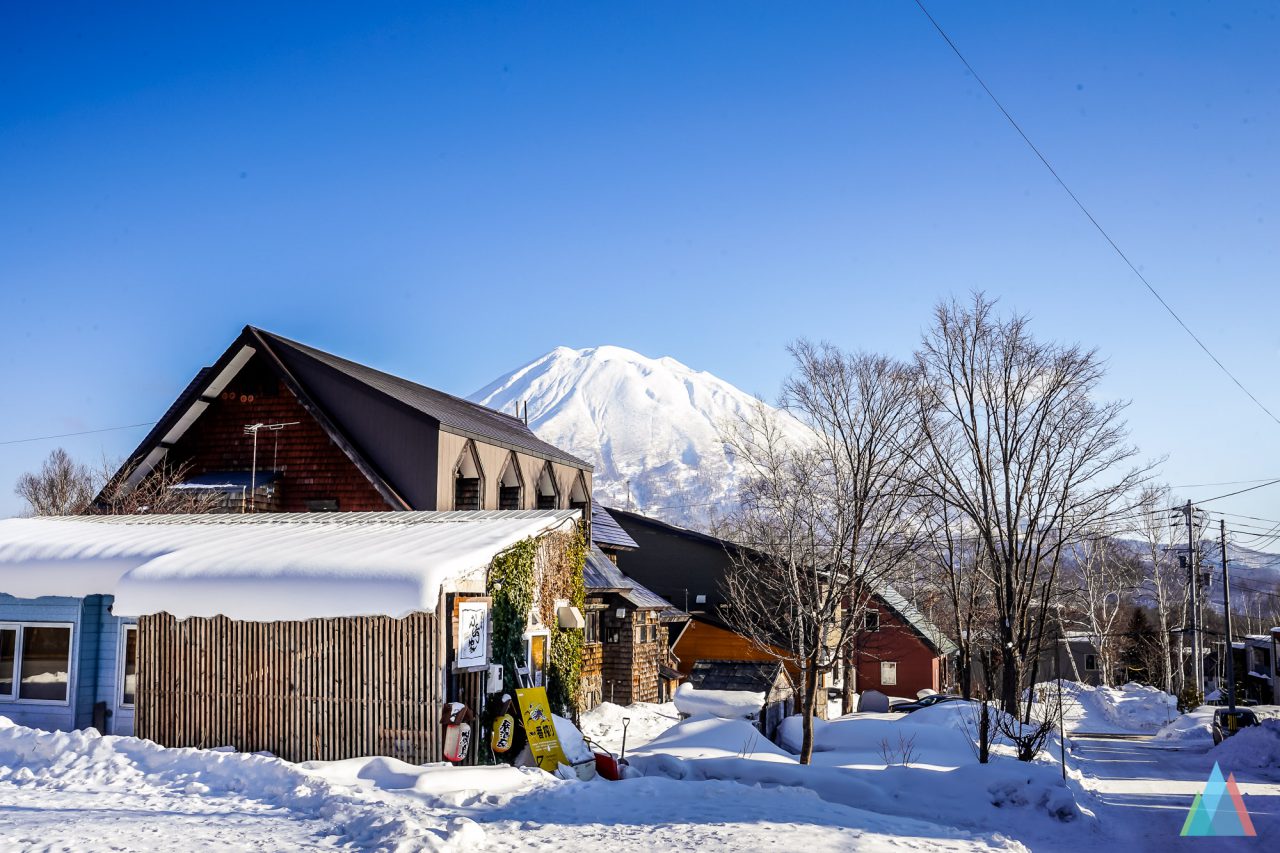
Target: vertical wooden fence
[320,689]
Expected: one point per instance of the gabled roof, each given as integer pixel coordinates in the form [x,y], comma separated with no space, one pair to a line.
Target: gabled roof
[384,424]
[601,575]
[705,577]
[455,414]
[753,676]
[606,531]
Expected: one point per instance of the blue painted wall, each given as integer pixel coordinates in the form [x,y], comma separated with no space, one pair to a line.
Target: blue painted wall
[95,665]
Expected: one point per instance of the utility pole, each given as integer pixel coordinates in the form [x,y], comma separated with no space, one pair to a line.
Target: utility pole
[1226,606]
[1193,578]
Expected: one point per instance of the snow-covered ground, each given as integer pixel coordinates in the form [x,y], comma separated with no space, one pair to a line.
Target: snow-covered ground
[877,782]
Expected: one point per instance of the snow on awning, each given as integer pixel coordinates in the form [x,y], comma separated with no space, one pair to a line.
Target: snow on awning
[262,567]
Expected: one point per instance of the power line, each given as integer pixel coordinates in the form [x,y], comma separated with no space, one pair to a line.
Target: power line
[1232,494]
[1089,216]
[1227,483]
[73,434]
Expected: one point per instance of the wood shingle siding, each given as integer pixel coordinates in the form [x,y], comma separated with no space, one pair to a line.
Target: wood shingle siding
[320,689]
[312,467]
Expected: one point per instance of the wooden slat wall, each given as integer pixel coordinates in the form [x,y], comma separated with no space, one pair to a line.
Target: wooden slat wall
[323,689]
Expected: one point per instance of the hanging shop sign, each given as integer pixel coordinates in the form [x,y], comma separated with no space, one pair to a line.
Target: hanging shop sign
[473,634]
[540,729]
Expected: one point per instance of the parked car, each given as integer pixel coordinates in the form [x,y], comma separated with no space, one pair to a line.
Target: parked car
[1227,723]
[925,702]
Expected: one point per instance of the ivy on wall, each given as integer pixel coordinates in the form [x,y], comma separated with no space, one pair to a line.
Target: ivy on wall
[546,569]
[510,586]
[568,554]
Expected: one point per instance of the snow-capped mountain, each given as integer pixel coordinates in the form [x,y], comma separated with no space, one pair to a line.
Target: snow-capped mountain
[649,425]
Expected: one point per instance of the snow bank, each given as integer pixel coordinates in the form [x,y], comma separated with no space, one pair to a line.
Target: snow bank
[731,704]
[1193,729]
[713,737]
[220,783]
[1133,708]
[1024,799]
[1255,747]
[603,723]
[258,567]
[873,740]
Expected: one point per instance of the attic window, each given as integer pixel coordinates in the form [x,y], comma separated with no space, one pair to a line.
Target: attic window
[578,497]
[548,496]
[871,622]
[510,491]
[466,480]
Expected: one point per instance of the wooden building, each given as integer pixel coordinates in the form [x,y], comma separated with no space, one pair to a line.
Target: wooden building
[899,651]
[309,635]
[275,425]
[767,677]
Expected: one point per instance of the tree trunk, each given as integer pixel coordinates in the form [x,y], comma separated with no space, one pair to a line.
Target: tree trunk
[810,700]
[846,693]
[1010,677]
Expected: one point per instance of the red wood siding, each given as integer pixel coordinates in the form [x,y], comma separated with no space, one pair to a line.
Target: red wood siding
[314,467]
[918,666]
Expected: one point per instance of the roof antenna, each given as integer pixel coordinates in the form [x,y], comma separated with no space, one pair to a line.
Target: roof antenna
[526,412]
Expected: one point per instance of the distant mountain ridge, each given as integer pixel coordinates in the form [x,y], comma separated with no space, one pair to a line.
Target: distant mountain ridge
[649,425]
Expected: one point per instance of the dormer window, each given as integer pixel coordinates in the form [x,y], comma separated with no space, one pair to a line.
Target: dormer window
[548,494]
[510,488]
[578,497]
[467,479]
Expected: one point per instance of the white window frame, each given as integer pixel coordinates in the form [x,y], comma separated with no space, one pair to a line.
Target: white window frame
[528,653]
[19,627]
[1087,657]
[123,649]
[889,666]
[866,620]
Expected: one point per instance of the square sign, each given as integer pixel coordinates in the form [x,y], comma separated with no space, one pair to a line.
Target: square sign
[473,635]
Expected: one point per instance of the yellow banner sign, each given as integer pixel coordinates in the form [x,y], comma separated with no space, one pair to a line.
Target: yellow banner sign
[535,710]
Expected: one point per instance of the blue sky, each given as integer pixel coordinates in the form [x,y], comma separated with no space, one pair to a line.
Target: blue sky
[407,183]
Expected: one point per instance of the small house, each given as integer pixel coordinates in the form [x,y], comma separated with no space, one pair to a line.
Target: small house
[627,657]
[766,678]
[899,651]
[308,635]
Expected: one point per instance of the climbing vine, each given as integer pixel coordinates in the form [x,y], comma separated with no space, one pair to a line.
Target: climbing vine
[543,570]
[510,586]
[563,559]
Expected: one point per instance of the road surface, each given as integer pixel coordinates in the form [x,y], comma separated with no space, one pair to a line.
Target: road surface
[1143,790]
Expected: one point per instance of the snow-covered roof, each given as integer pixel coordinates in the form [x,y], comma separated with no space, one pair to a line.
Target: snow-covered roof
[262,567]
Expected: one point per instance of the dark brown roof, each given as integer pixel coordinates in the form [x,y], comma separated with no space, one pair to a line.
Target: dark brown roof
[454,413]
[756,676]
[386,425]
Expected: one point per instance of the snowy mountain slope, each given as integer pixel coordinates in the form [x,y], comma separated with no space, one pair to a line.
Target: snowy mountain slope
[651,421]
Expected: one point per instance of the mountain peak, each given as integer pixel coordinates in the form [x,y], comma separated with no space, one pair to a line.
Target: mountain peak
[651,426]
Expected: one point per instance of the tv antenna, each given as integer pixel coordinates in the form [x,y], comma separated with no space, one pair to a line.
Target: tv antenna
[254,429]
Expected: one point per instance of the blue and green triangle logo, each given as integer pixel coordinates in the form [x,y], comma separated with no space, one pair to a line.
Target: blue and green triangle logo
[1218,810]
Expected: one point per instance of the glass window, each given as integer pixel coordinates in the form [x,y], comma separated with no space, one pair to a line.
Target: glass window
[46,663]
[129,688]
[8,653]
[888,673]
[872,622]
[538,648]
[593,627]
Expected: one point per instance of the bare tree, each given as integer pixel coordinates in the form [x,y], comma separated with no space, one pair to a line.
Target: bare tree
[1166,581]
[161,491]
[1020,447]
[827,522]
[62,486]
[1106,581]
